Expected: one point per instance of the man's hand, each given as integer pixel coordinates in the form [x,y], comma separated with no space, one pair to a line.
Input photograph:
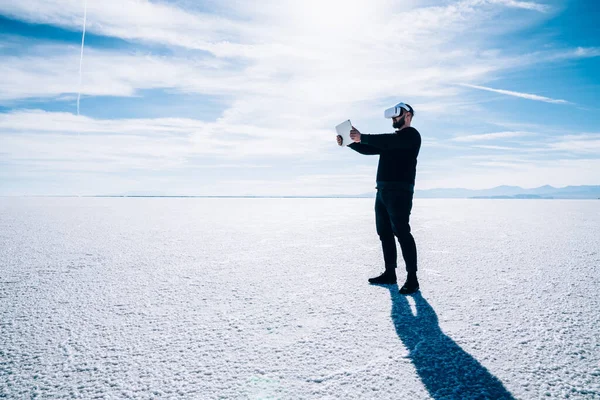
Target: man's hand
[339,140]
[355,135]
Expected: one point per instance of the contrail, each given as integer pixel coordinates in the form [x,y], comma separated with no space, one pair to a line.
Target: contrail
[517,94]
[81,56]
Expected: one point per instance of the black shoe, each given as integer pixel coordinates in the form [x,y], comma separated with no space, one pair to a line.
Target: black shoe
[387,278]
[410,287]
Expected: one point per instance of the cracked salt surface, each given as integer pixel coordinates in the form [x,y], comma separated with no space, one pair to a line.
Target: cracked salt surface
[262,298]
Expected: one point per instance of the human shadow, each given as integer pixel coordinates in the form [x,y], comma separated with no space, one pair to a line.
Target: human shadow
[447,371]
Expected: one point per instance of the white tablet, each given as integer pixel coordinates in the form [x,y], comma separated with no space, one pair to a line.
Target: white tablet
[343,130]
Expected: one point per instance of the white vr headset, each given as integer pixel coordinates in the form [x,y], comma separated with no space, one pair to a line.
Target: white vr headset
[396,111]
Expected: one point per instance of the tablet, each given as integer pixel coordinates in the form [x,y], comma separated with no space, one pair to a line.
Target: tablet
[343,130]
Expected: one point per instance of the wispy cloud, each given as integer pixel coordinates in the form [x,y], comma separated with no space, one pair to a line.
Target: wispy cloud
[273,42]
[132,20]
[527,5]
[499,164]
[491,136]
[284,72]
[265,58]
[588,143]
[58,133]
[528,96]
[236,31]
[489,147]
[261,60]
[578,52]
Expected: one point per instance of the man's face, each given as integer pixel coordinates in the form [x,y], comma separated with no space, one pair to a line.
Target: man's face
[402,118]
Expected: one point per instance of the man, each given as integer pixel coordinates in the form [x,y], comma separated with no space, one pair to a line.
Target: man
[395,186]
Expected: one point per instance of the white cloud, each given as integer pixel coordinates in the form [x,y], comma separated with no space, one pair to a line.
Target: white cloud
[165,23]
[579,52]
[287,71]
[40,144]
[311,58]
[81,137]
[499,164]
[524,4]
[487,147]
[556,172]
[291,63]
[131,20]
[588,143]
[47,71]
[353,49]
[517,94]
[491,136]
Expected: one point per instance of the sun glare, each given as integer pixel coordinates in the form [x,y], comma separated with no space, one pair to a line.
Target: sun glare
[332,15]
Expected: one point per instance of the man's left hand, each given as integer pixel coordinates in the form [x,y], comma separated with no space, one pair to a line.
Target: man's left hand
[355,135]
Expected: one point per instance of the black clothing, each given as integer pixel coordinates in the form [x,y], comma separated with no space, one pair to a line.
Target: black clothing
[409,287]
[395,186]
[397,154]
[392,212]
[387,278]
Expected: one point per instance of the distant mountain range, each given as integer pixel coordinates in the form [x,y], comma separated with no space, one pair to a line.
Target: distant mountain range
[499,192]
[516,192]
[508,192]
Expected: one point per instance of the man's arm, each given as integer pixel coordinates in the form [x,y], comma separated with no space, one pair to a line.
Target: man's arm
[364,149]
[403,140]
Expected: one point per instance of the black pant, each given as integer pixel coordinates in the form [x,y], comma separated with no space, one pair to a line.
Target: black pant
[392,213]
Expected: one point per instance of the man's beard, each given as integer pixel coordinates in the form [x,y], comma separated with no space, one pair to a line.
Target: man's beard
[398,124]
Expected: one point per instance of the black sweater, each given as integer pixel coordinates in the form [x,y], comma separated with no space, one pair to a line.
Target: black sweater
[397,154]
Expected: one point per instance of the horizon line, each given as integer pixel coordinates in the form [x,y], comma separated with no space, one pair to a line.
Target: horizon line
[359,195]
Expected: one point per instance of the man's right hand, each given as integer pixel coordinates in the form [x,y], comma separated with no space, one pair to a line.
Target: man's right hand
[339,140]
[355,135]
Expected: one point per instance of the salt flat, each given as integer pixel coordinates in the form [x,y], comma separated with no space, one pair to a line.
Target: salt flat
[268,298]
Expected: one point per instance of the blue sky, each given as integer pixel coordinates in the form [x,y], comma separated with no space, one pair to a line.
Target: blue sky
[217,98]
